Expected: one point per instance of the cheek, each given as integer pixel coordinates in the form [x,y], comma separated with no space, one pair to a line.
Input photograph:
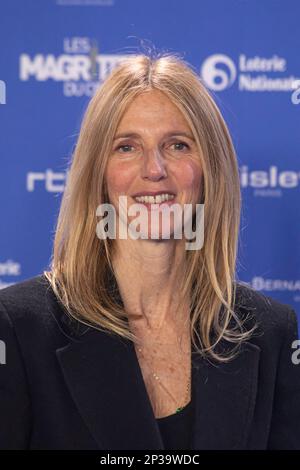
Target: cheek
[188,175]
[119,177]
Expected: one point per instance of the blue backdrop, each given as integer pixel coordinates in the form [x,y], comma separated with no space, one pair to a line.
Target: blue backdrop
[53,53]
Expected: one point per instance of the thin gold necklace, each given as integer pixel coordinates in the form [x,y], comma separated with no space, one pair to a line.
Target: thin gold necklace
[187,396]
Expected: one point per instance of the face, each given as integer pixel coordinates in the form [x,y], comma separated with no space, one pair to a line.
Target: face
[154,160]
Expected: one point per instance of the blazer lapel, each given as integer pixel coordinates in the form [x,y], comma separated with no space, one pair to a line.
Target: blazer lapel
[106,383]
[103,375]
[225,396]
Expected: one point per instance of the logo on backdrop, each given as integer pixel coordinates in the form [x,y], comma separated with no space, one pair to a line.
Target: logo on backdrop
[296,93]
[220,72]
[80,67]
[9,268]
[277,285]
[271,182]
[52,181]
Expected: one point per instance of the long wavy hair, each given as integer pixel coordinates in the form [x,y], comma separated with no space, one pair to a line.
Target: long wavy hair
[81,272]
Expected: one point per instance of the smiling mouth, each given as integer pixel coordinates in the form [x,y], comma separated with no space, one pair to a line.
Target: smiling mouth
[155,199]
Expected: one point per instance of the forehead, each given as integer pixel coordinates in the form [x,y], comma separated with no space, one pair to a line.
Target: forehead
[153,108]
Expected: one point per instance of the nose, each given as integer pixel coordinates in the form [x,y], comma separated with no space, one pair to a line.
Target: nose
[153,166]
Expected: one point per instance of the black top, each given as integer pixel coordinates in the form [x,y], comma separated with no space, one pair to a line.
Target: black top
[176,429]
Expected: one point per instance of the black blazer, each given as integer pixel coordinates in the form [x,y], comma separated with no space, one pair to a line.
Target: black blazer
[68,386]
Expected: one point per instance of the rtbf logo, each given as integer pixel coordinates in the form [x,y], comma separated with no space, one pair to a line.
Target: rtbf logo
[219,72]
[53,182]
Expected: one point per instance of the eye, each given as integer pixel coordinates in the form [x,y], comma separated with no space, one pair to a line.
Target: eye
[181,143]
[123,146]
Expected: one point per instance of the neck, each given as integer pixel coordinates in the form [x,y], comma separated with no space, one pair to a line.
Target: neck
[149,275]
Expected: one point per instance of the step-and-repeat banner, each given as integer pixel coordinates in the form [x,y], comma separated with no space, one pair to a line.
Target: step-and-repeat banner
[53,55]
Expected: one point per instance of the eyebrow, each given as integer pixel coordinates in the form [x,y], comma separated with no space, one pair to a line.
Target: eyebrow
[168,134]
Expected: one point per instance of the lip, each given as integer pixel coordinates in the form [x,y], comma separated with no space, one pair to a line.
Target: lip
[154,193]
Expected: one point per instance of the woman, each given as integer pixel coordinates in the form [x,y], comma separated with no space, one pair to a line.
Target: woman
[140,343]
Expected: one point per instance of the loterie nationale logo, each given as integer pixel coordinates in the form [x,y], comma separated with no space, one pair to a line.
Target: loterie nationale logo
[253,74]
[80,68]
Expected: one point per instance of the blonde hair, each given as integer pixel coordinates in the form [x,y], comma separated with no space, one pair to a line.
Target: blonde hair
[81,269]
